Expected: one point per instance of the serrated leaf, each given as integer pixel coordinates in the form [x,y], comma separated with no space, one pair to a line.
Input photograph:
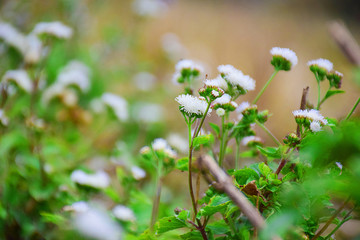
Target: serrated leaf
[330,93]
[289,176]
[183,164]
[218,227]
[245,175]
[193,235]
[168,223]
[215,127]
[203,139]
[184,215]
[218,203]
[271,152]
[264,169]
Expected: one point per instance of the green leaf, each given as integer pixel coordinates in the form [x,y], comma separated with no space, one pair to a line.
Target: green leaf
[112,194]
[248,154]
[219,227]
[215,127]
[168,223]
[289,176]
[184,215]
[330,93]
[203,139]
[218,203]
[52,218]
[264,169]
[193,235]
[183,164]
[271,152]
[245,175]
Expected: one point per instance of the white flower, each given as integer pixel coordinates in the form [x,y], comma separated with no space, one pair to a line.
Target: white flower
[51,92]
[144,81]
[175,78]
[13,37]
[152,8]
[148,112]
[242,107]
[138,173]
[322,63]
[178,142]
[236,78]
[75,73]
[33,49]
[20,77]
[312,115]
[57,29]
[3,118]
[250,139]
[315,126]
[224,99]
[285,53]
[192,105]
[188,64]
[78,207]
[220,112]
[97,105]
[159,144]
[96,224]
[99,179]
[145,150]
[123,213]
[117,104]
[217,82]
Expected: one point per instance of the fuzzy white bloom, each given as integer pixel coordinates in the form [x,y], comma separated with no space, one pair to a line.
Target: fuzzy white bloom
[171,153]
[220,112]
[315,126]
[138,173]
[338,74]
[96,224]
[13,37]
[312,115]
[192,105]
[75,73]
[178,142]
[246,140]
[145,150]
[3,118]
[33,50]
[236,78]
[217,82]
[123,213]
[57,29]
[285,53]
[322,63]
[51,92]
[99,179]
[242,107]
[224,99]
[78,207]
[188,64]
[159,144]
[215,93]
[117,104]
[175,78]
[20,77]
[149,112]
[144,81]
[151,8]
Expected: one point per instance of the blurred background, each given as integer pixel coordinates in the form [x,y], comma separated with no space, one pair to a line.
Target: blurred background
[132,47]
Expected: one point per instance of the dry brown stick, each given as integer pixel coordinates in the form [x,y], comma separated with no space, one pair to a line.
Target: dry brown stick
[342,36]
[226,182]
[302,106]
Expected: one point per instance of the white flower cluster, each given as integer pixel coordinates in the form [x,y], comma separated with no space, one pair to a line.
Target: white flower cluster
[117,104]
[20,78]
[178,142]
[192,105]
[225,99]
[250,139]
[123,213]
[285,53]
[321,63]
[216,82]
[56,29]
[138,173]
[99,179]
[236,78]
[312,115]
[160,144]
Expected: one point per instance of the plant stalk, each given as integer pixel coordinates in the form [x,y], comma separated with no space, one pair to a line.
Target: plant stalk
[353,109]
[268,132]
[265,86]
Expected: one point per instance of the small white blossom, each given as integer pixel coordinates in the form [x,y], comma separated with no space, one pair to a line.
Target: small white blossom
[145,150]
[315,126]
[224,99]
[285,53]
[311,115]
[20,77]
[75,73]
[78,207]
[138,173]
[57,29]
[159,144]
[220,112]
[13,37]
[188,64]
[249,139]
[236,78]
[178,142]
[150,8]
[149,112]
[170,153]
[99,179]
[217,82]
[242,107]
[117,104]
[144,81]
[192,105]
[96,224]
[123,213]
[322,63]
[33,50]
[3,118]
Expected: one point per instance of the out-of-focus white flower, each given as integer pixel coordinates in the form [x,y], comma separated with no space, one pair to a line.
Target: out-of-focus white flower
[178,142]
[96,224]
[99,179]
[217,82]
[172,46]
[236,78]
[192,105]
[97,105]
[69,97]
[149,8]
[117,104]
[242,107]
[144,81]
[321,63]
[224,99]
[56,29]
[220,112]
[123,213]
[224,102]
[188,64]
[149,112]
[138,173]
[79,207]
[13,37]
[75,73]
[51,92]
[285,53]
[159,144]
[315,126]
[34,49]
[312,115]
[145,150]
[20,78]
[3,118]
[250,139]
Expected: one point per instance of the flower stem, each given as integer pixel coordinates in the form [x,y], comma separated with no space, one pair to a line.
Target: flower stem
[265,86]
[223,140]
[268,132]
[318,83]
[237,154]
[156,201]
[353,109]
[345,219]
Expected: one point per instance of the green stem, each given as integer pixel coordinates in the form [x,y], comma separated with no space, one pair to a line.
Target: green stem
[156,201]
[237,154]
[265,86]
[268,132]
[346,218]
[353,109]
[318,83]
[222,143]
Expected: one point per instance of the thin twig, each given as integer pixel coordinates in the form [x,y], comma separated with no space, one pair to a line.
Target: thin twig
[302,106]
